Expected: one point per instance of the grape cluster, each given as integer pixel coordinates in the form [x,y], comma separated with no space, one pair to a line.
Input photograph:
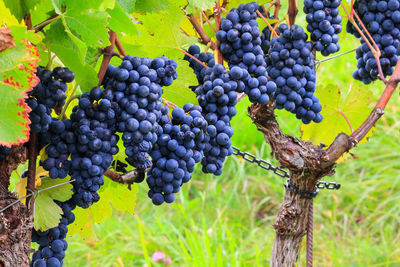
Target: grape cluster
[50,91]
[292,69]
[136,86]
[206,58]
[52,244]
[93,124]
[4,151]
[61,142]
[382,20]
[324,24]
[178,148]
[40,116]
[241,47]
[217,97]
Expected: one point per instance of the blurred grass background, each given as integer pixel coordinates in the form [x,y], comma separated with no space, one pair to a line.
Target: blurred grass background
[227,220]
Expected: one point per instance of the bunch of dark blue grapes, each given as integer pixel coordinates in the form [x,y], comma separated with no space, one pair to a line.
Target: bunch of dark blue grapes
[206,58]
[40,116]
[88,137]
[61,143]
[217,98]
[292,70]
[52,244]
[179,147]
[4,151]
[324,24]
[93,124]
[50,91]
[136,86]
[382,20]
[241,46]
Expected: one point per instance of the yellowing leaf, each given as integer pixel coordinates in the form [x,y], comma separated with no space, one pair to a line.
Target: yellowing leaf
[17,68]
[6,18]
[111,195]
[20,188]
[340,109]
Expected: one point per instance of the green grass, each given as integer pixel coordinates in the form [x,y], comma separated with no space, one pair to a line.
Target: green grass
[226,220]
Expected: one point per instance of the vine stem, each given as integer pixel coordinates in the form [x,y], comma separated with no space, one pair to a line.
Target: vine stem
[61,116]
[292,12]
[277,4]
[269,25]
[192,57]
[119,46]
[204,38]
[107,57]
[217,15]
[43,24]
[379,108]
[208,21]
[32,154]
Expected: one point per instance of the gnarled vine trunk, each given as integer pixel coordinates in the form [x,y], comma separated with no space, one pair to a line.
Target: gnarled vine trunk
[307,164]
[15,222]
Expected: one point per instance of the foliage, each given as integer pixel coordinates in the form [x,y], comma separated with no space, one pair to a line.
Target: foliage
[47,212]
[76,35]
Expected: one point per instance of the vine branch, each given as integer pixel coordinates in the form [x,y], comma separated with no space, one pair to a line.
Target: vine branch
[292,11]
[32,154]
[131,177]
[40,26]
[119,46]
[204,38]
[107,57]
[343,142]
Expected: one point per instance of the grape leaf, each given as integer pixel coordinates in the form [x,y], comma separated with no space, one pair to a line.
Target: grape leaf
[179,92]
[144,6]
[20,8]
[119,21]
[47,212]
[6,18]
[112,195]
[160,34]
[65,44]
[16,79]
[339,108]
[127,5]
[199,4]
[86,27]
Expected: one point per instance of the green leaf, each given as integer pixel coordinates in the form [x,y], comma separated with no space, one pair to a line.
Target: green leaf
[199,4]
[86,28]
[72,52]
[160,34]
[17,68]
[112,195]
[47,212]
[179,92]
[127,5]
[20,8]
[145,6]
[119,21]
[339,109]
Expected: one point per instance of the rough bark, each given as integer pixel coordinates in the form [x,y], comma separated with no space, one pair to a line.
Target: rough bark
[15,233]
[306,164]
[15,222]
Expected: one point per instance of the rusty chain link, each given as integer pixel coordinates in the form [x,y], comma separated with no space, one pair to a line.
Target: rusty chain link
[279,171]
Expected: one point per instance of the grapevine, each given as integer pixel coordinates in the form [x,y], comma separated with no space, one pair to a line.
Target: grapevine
[166,122]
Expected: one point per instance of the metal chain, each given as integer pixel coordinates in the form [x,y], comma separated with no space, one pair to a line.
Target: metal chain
[268,166]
